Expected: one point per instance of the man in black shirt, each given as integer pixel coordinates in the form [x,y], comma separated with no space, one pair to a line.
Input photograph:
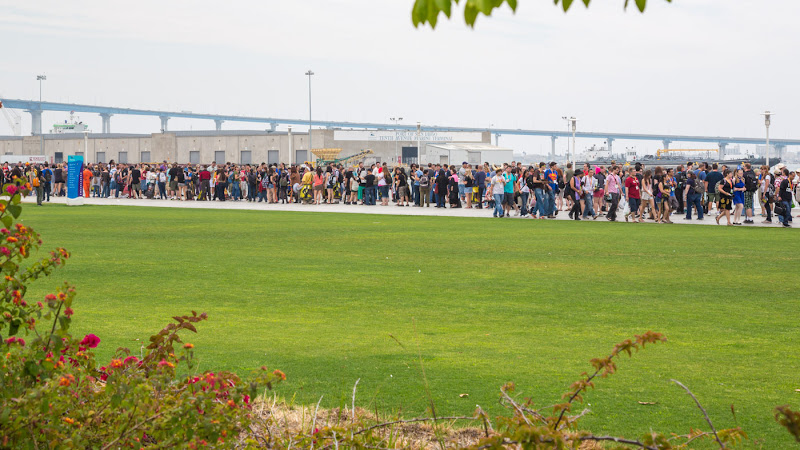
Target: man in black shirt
[785,193]
[712,178]
[369,188]
[135,177]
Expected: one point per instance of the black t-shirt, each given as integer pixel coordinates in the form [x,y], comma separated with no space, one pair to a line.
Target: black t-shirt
[712,178]
[173,173]
[135,176]
[181,176]
[58,175]
[786,190]
[401,180]
[105,177]
[690,182]
[369,180]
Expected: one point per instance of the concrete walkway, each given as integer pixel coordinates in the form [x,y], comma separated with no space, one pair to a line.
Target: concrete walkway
[358,209]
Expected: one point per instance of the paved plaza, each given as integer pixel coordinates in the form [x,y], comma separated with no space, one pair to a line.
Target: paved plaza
[359,209]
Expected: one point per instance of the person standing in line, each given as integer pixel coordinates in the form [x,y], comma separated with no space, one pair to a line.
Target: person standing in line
[36,179]
[785,195]
[480,183]
[664,187]
[135,179]
[551,178]
[599,190]
[691,196]
[469,182]
[712,179]
[87,180]
[161,182]
[613,187]
[369,187]
[648,198]
[105,183]
[539,185]
[633,196]
[220,184]
[725,189]
[441,188]
[416,173]
[587,184]
[384,180]
[424,189]
[576,194]
[402,188]
[508,193]
[205,183]
[751,189]
[767,189]
[497,187]
[738,196]
[48,178]
[58,180]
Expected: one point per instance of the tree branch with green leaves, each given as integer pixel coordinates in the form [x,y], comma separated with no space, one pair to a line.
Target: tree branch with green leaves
[427,11]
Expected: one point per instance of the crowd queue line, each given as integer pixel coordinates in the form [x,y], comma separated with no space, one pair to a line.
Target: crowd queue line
[535,191]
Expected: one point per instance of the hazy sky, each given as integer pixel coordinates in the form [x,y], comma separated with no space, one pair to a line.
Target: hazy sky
[692,66]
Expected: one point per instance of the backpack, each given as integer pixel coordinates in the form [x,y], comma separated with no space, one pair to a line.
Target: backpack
[265,181]
[284,180]
[48,175]
[699,186]
[750,183]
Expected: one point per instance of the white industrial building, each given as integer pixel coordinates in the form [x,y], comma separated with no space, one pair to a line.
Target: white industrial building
[473,153]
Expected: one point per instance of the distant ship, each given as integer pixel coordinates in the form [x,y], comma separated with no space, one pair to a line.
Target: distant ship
[70,126]
[668,158]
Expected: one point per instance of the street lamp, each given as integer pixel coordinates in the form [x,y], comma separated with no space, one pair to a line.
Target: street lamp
[419,133]
[41,78]
[396,120]
[309,73]
[767,115]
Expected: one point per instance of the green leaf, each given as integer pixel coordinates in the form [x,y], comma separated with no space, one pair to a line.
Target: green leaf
[8,221]
[641,4]
[512,4]
[586,2]
[470,14]
[566,4]
[444,6]
[15,210]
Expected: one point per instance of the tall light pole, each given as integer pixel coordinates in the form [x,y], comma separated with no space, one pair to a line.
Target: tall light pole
[767,116]
[41,78]
[309,73]
[567,120]
[396,155]
[419,136]
[574,123]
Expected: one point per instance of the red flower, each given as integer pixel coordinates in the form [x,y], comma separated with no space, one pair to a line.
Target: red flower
[187,345]
[246,399]
[69,312]
[49,297]
[116,363]
[15,340]
[5,251]
[90,340]
[164,362]
[39,304]
[4,230]
[279,374]
[130,359]
[11,189]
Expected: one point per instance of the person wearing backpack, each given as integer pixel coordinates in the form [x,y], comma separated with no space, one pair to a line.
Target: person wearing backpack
[425,189]
[751,186]
[691,196]
[767,193]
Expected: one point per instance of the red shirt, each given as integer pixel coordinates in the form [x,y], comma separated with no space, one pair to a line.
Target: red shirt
[632,185]
[205,175]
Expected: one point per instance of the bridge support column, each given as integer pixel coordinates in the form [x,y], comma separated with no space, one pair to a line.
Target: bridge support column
[164,122]
[665,143]
[552,148]
[722,148]
[497,139]
[106,122]
[609,141]
[273,127]
[36,121]
[218,124]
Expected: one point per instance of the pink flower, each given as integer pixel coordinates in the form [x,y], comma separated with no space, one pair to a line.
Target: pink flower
[130,359]
[5,251]
[4,230]
[49,297]
[11,189]
[15,340]
[90,340]
[69,312]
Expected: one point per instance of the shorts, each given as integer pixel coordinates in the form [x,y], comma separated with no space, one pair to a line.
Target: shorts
[634,204]
[182,185]
[135,187]
[508,198]
[173,185]
[748,199]
[599,193]
[461,190]
[713,197]
[646,197]
[403,191]
[318,187]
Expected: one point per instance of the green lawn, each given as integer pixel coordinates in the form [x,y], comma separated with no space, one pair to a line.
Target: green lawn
[330,298]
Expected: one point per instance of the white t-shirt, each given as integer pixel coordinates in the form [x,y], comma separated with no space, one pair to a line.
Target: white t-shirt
[588,182]
[498,185]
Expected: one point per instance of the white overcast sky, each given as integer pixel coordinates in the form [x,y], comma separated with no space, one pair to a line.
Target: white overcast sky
[690,67]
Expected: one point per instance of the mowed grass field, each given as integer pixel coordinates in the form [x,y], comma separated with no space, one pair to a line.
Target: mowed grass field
[332,298]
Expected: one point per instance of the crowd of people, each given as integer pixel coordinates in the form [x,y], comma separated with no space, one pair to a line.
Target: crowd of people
[633,193]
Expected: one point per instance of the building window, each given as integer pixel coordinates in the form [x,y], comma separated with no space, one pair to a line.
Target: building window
[245,157]
[58,158]
[219,156]
[101,157]
[145,157]
[123,158]
[273,157]
[194,157]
